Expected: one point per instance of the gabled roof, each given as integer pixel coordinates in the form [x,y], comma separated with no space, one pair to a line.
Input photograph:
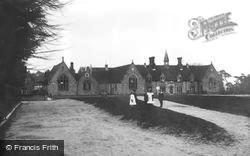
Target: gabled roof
[171,72]
[55,69]
[112,75]
[115,75]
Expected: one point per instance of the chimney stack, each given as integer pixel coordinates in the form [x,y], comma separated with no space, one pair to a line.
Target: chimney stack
[179,61]
[152,63]
[72,67]
[151,60]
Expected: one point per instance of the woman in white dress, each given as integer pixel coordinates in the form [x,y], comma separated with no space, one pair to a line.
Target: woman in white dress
[150,97]
[132,99]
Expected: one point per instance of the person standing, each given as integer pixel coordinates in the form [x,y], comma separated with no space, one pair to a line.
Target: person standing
[132,99]
[145,97]
[160,98]
[150,95]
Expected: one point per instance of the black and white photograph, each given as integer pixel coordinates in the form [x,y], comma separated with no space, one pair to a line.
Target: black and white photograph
[124,78]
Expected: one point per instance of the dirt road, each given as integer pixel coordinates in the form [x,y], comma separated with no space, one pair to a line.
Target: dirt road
[87,130]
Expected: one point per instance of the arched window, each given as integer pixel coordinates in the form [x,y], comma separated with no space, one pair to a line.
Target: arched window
[162,78]
[133,83]
[212,83]
[86,85]
[63,83]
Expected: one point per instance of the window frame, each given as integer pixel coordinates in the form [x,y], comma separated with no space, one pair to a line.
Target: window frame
[85,87]
[63,83]
[134,85]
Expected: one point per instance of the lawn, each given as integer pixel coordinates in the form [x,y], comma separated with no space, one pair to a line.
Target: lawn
[166,121]
[228,104]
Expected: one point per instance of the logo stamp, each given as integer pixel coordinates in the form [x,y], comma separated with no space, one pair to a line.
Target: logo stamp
[211,28]
[8,147]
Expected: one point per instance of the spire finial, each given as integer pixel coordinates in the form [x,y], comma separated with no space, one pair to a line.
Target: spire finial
[166,59]
[62,59]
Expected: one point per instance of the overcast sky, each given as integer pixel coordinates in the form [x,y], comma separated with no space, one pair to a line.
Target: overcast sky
[116,32]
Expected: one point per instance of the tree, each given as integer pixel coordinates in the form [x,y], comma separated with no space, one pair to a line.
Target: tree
[24,28]
[243,84]
[224,75]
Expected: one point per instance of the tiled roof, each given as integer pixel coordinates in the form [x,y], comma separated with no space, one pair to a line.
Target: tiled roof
[53,70]
[116,74]
[171,72]
[56,67]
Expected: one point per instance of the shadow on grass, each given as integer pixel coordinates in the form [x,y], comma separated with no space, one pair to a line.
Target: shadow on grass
[167,121]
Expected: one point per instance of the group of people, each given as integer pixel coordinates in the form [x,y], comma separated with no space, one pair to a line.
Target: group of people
[148,98]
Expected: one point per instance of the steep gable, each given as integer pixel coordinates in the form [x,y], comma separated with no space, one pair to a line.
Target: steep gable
[56,68]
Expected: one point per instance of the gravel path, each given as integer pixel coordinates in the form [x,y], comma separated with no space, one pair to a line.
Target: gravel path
[87,130]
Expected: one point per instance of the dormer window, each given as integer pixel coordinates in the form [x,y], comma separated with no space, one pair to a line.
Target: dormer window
[179,78]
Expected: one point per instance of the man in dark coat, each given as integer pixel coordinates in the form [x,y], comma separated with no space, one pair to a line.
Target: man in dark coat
[145,98]
[161,97]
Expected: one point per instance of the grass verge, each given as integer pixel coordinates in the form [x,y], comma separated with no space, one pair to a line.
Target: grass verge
[228,104]
[6,107]
[167,121]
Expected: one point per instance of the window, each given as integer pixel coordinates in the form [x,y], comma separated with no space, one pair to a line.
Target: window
[163,89]
[192,89]
[211,83]
[132,83]
[63,83]
[171,89]
[86,74]
[179,78]
[179,89]
[162,77]
[149,78]
[192,77]
[87,85]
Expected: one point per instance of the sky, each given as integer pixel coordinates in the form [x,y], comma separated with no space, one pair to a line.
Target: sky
[115,32]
